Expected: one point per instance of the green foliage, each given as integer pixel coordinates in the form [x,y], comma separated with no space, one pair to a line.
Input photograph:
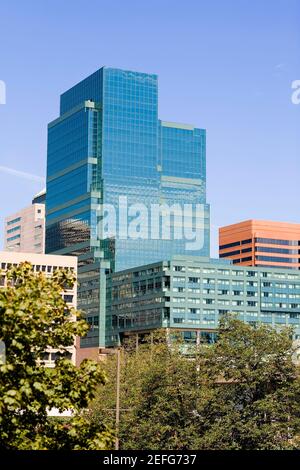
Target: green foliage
[254,389]
[157,403]
[240,393]
[34,316]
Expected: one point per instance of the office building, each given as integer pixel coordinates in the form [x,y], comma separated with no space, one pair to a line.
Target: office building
[46,264]
[261,243]
[39,198]
[108,148]
[24,230]
[190,295]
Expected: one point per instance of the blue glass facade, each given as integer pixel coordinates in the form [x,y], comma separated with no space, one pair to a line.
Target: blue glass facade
[109,143]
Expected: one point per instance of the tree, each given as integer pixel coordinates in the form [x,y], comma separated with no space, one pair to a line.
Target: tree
[254,389]
[158,396]
[240,393]
[34,316]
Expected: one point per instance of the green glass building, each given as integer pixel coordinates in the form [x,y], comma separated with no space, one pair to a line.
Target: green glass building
[190,294]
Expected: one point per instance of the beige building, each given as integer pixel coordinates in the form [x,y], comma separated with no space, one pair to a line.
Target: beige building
[25,230]
[46,264]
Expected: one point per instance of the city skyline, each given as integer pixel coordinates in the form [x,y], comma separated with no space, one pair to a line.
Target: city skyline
[242,98]
[149,229]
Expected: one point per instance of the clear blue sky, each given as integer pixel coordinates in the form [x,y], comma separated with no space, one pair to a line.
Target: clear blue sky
[224,65]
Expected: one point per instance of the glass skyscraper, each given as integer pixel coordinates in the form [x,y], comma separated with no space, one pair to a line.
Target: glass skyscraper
[109,149]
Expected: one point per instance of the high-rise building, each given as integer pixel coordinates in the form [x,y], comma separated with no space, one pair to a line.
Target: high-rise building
[261,243]
[46,264]
[24,230]
[108,149]
[191,294]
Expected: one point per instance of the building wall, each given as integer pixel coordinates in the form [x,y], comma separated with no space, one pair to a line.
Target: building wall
[96,354]
[24,231]
[46,264]
[261,243]
[40,197]
[193,293]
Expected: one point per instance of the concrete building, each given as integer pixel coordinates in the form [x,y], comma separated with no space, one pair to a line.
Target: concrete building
[46,264]
[39,198]
[190,294]
[261,243]
[24,230]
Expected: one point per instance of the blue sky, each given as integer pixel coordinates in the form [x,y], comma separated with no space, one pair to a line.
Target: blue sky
[223,65]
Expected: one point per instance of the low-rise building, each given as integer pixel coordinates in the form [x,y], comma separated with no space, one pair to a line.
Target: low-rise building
[191,294]
[46,264]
